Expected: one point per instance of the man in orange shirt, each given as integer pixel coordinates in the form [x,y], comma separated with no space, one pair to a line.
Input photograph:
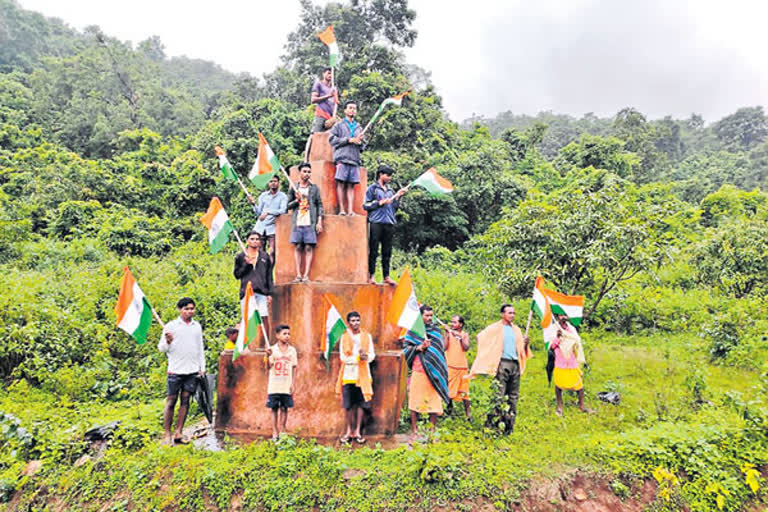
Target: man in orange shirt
[456,347]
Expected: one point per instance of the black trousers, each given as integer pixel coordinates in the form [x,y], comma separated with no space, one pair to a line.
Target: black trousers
[380,234]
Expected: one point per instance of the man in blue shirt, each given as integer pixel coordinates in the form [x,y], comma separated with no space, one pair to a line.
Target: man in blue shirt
[271,204]
[381,203]
[509,371]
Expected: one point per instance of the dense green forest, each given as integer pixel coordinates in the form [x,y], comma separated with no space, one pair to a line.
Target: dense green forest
[106,159]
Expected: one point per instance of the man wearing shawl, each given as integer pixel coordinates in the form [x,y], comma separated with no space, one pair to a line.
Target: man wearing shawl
[355,384]
[428,388]
[565,341]
[502,351]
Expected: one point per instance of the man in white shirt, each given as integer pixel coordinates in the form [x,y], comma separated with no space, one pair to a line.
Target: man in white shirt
[182,341]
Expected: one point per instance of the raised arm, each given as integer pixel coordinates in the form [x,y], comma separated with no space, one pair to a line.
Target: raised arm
[241,266]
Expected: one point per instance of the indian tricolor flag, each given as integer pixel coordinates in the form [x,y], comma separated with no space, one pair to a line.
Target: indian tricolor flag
[547,302]
[394,100]
[226,167]
[218,224]
[134,314]
[249,323]
[404,308]
[433,183]
[329,38]
[265,166]
[334,327]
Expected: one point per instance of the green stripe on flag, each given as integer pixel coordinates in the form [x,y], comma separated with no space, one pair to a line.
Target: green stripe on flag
[140,334]
[334,336]
[261,180]
[253,326]
[222,237]
[418,327]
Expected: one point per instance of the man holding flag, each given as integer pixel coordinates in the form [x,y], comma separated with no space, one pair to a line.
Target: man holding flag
[347,140]
[428,387]
[271,204]
[182,341]
[254,267]
[325,98]
[355,383]
[381,203]
[502,351]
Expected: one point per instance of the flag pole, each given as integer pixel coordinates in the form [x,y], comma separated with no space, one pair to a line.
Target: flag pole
[266,338]
[239,181]
[528,325]
[242,245]
[288,177]
[157,317]
[374,118]
[336,96]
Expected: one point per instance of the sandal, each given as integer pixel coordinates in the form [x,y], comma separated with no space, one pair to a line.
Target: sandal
[297,279]
[180,440]
[360,440]
[344,439]
[305,279]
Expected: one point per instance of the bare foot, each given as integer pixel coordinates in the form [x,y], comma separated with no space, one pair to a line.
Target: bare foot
[559,411]
[390,281]
[371,280]
[167,441]
[586,411]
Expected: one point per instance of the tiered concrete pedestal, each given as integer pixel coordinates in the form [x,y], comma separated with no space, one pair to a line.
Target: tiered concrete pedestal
[340,270]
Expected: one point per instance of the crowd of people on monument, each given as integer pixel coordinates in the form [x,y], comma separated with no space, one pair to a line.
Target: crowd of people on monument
[440,373]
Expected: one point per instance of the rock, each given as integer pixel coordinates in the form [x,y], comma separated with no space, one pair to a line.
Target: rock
[32,467]
[82,460]
[351,473]
[579,494]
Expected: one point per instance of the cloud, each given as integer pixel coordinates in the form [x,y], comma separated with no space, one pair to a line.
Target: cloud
[599,56]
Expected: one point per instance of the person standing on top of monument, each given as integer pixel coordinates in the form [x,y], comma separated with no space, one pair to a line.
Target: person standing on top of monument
[381,203]
[346,139]
[325,98]
[271,204]
[306,222]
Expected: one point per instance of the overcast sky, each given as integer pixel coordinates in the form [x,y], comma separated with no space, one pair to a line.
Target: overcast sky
[488,56]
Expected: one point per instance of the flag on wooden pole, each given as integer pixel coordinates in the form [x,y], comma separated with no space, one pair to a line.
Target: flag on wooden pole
[394,100]
[433,183]
[329,38]
[265,166]
[218,224]
[226,167]
[404,308]
[134,314]
[547,302]
[334,327]
[249,323]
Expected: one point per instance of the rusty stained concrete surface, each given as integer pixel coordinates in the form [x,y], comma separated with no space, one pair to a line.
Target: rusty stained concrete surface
[340,269]
[324,176]
[340,256]
[242,385]
[317,412]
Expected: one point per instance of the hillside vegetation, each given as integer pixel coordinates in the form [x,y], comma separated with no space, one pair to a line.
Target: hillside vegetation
[106,160]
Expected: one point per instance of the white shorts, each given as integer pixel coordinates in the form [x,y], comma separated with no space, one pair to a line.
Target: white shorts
[261,304]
